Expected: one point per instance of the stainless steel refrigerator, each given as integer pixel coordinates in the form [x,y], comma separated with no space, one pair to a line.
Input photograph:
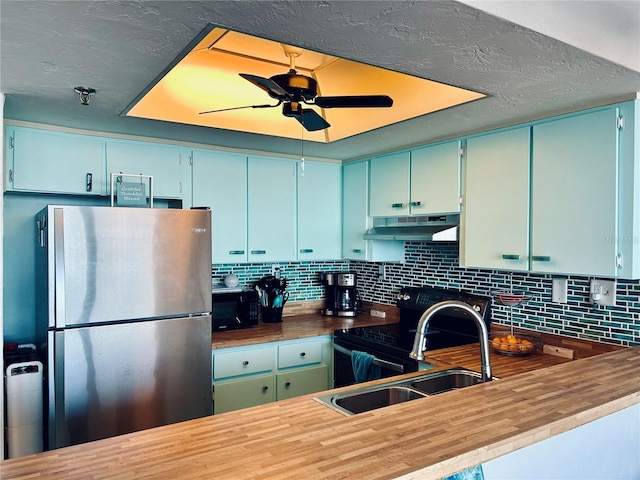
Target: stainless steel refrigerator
[124,319]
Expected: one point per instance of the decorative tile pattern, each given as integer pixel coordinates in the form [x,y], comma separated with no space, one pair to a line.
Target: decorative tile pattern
[436,264]
[304,282]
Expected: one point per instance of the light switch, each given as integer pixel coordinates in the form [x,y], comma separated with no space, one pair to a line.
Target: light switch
[559,290]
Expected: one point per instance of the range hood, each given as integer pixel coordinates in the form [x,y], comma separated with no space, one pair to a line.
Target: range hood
[428,228]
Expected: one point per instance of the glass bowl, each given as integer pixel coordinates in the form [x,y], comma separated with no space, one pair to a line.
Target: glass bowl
[516,344]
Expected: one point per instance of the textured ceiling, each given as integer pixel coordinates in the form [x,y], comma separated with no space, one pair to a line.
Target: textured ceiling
[118,48]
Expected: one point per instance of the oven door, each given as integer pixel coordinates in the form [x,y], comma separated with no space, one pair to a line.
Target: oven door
[343,368]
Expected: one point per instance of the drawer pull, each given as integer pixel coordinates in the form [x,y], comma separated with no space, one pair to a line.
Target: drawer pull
[397,205]
[265,388]
[89,182]
[245,363]
[287,385]
[258,252]
[540,258]
[302,354]
[236,252]
[511,257]
[306,250]
[357,250]
[415,204]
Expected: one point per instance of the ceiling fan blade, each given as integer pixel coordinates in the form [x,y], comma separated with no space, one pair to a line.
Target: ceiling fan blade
[354,101]
[239,108]
[311,121]
[272,88]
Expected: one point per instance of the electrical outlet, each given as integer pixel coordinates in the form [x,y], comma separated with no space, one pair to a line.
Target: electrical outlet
[382,274]
[603,292]
[559,290]
[275,270]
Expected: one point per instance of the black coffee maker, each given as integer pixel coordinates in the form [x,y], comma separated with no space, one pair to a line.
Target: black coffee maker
[342,299]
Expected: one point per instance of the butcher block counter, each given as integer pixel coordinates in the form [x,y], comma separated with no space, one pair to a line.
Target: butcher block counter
[536,398]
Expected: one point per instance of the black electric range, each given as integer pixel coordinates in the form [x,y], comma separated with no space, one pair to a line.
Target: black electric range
[392,343]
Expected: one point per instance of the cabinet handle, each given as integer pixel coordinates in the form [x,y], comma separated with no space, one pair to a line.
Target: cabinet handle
[397,205]
[511,257]
[303,354]
[415,204]
[357,250]
[236,252]
[245,363]
[258,252]
[11,176]
[540,258]
[265,388]
[306,250]
[89,182]
[287,385]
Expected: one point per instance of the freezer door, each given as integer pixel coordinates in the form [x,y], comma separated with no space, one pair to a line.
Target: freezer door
[113,379]
[110,264]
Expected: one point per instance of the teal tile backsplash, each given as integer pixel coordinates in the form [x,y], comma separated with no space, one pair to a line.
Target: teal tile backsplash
[436,264]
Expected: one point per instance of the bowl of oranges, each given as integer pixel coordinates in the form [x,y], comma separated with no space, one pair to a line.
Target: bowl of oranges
[514,344]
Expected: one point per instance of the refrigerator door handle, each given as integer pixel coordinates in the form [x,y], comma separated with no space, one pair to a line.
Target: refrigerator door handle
[59,287]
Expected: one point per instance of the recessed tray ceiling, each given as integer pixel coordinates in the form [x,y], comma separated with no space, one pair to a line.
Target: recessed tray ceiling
[205,76]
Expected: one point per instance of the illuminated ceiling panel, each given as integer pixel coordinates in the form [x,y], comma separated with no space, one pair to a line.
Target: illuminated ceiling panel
[205,76]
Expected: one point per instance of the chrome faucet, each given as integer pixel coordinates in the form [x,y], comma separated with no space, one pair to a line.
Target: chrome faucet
[420,338]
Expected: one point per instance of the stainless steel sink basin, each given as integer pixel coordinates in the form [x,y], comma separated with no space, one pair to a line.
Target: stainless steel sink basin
[378,398]
[450,380]
[364,399]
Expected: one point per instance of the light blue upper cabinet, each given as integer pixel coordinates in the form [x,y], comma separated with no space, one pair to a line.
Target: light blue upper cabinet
[565,217]
[421,182]
[162,161]
[389,185]
[574,198]
[54,162]
[435,179]
[495,215]
[220,183]
[355,220]
[319,211]
[271,209]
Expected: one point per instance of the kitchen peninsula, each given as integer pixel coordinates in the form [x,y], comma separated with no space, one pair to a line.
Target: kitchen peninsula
[426,438]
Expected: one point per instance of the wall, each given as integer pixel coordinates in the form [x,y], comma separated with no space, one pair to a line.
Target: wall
[436,264]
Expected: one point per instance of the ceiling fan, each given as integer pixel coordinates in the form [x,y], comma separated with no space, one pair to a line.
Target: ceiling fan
[293,89]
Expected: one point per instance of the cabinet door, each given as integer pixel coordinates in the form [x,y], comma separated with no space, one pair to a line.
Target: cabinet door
[163,162]
[243,393]
[435,179]
[301,382]
[319,211]
[53,162]
[272,209]
[389,194]
[355,201]
[495,220]
[220,183]
[574,209]
[355,221]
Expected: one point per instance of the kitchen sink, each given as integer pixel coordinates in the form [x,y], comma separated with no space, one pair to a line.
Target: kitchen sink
[365,399]
[378,398]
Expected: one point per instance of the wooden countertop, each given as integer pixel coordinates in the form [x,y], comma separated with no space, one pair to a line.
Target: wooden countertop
[291,328]
[300,438]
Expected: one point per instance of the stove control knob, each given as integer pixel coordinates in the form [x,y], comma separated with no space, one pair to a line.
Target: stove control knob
[406,297]
[476,308]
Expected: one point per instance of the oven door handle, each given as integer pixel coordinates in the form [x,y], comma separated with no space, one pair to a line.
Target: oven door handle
[396,367]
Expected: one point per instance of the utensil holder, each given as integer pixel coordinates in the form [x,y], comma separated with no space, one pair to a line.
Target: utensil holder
[272,314]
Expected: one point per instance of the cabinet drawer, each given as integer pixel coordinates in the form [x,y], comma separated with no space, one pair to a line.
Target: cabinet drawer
[298,354]
[302,382]
[237,394]
[242,362]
